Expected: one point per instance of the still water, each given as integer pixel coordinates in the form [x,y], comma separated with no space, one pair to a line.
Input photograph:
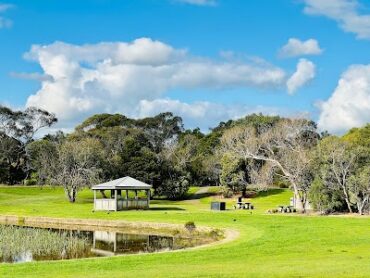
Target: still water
[25,244]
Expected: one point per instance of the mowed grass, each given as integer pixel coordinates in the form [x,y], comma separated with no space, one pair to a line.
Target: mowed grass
[267,246]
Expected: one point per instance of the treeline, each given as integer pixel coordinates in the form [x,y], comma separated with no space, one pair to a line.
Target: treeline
[330,173]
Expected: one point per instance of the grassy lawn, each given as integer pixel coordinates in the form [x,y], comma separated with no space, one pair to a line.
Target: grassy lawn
[268,245]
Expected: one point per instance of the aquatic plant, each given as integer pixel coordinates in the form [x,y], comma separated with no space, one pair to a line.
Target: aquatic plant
[24,244]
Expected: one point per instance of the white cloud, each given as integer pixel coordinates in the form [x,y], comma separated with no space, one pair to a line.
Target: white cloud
[133,78]
[349,105]
[296,47]
[346,12]
[4,22]
[116,77]
[199,2]
[305,72]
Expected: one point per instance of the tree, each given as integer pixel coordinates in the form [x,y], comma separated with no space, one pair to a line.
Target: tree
[336,161]
[160,129]
[22,125]
[284,145]
[17,129]
[359,186]
[12,160]
[325,199]
[232,173]
[78,166]
[174,160]
[43,156]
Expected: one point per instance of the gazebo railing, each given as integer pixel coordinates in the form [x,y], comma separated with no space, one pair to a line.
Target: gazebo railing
[132,203]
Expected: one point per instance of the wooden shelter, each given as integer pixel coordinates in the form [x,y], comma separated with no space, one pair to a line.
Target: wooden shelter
[116,200]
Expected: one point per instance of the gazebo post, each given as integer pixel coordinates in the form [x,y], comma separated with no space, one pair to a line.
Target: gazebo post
[126,198]
[136,199]
[94,200]
[148,196]
[115,200]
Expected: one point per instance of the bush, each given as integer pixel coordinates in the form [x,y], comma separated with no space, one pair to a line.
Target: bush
[190,226]
[29,182]
[174,189]
[216,234]
[324,199]
[226,192]
[250,194]
[282,184]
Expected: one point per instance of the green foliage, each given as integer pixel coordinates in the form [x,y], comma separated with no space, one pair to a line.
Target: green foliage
[158,151]
[173,187]
[227,192]
[232,174]
[359,136]
[17,129]
[43,155]
[325,200]
[340,165]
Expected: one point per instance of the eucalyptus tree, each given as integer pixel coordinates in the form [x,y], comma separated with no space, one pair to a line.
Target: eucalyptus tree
[78,165]
[359,186]
[17,129]
[337,161]
[284,145]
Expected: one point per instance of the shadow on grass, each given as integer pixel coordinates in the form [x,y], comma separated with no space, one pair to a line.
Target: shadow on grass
[166,208]
[270,192]
[200,196]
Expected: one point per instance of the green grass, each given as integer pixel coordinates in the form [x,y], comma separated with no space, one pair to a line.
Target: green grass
[268,245]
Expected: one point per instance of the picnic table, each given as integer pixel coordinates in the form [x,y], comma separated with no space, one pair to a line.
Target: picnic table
[283,209]
[243,205]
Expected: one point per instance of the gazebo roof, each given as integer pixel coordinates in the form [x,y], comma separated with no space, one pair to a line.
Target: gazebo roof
[123,183]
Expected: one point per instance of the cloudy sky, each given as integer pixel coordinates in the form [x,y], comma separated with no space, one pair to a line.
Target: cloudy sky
[205,60]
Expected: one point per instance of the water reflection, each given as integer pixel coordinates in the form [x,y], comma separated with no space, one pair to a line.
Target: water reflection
[24,244]
[112,243]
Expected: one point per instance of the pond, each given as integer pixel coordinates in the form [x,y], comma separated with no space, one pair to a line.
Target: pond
[26,244]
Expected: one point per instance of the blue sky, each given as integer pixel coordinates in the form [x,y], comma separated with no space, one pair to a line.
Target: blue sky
[235,40]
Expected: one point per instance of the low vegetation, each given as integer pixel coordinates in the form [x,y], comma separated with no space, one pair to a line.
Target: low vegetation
[40,244]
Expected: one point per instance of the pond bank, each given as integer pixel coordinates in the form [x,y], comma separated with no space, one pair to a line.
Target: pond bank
[181,237]
[108,225]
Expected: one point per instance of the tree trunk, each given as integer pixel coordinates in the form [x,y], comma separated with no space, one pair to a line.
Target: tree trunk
[244,192]
[361,205]
[71,194]
[346,198]
[297,197]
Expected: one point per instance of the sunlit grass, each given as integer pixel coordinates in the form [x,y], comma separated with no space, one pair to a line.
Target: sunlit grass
[268,245]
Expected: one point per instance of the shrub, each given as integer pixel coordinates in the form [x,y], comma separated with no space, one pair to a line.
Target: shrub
[325,199]
[190,226]
[29,182]
[250,194]
[174,189]
[226,192]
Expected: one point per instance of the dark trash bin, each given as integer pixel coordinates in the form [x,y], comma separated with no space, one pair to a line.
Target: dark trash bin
[218,206]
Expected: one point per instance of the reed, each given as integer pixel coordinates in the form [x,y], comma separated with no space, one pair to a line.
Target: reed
[18,243]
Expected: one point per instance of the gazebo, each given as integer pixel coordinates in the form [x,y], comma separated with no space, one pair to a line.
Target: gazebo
[116,201]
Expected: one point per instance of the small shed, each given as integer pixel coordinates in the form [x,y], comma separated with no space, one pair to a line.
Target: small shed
[124,194]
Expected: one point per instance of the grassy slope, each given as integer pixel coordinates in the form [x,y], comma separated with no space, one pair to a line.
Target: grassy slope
[268,245]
